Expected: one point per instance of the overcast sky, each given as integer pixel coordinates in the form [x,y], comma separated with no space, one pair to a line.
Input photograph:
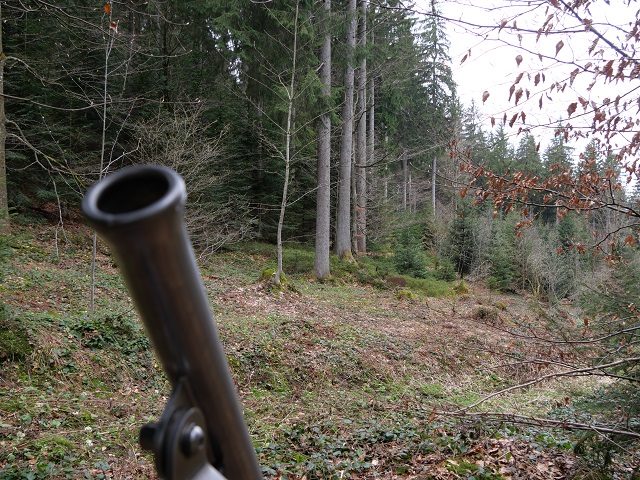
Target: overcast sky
[491,64]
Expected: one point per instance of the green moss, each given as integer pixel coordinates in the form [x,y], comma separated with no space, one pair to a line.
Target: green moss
[461,288]
[500,306]
[14,337]
[486,313]
[404,295]
[267,275]
[434,390]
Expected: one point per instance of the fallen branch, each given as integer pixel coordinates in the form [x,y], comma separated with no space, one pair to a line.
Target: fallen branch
[527,420]
[578,372]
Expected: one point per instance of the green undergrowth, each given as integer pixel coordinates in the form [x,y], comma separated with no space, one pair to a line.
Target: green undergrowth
[298,263]
[339,379]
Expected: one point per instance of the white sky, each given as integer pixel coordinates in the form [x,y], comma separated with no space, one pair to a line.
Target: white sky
[492,67]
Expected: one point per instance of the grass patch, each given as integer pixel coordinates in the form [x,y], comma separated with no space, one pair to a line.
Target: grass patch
[431,287]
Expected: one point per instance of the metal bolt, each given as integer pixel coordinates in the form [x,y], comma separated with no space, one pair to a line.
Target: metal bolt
[192,440]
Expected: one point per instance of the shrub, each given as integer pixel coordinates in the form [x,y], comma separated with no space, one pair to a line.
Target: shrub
[409,255]
[411,260]
[432,287]
[398,281]
[114,332]
[445,270]
[404,295]
[461,288]
[459,247]
[485,313]
[500,306]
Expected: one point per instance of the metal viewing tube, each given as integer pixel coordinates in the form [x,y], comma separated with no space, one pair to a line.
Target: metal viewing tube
[202,435]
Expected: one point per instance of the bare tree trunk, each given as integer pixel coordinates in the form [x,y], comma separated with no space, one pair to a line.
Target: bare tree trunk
[107,52]
[4,200]
[405,181]
[354,203]
[371,141]
[433,185]
[259,172]
[321,266]
[343,221]
[433,102]
[287,152]
[361,138]
[386,184]
[411,194]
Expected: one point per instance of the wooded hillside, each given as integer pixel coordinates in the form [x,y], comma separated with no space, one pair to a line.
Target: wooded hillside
[338,126]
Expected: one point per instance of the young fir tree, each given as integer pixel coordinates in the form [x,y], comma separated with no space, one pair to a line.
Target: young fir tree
[460,245]
[502,271]
[556,159]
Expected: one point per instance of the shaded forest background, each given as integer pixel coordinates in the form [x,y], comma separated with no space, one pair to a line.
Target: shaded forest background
[335,124]
[208,88]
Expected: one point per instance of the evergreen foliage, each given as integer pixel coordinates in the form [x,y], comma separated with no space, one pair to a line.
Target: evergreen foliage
[613,316]
[460,247]
[409,254]
[202,87]
[502,272]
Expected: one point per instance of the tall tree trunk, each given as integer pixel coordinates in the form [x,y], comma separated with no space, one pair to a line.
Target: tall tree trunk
[371,141]
[354,202]
[259,173]
[386,184]
[433,185]
[109,41]
[321,266]
[405,181]
[411,194]
[433,103]
[361,138]
[343,220]
[4,201]
[287,151]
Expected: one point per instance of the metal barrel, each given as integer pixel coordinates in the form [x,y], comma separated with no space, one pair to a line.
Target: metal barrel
[139,212]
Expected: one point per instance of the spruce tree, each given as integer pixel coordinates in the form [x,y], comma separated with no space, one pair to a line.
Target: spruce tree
[460,248]
[502,272]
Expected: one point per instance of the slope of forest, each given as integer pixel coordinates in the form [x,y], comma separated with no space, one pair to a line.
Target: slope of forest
[455,293]
[343,379]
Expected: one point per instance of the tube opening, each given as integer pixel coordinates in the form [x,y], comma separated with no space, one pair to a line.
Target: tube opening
[131,193]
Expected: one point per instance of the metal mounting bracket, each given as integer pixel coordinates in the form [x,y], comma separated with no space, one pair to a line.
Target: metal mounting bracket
[179,441]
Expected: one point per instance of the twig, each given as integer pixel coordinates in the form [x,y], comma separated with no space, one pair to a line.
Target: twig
[567,373]
[527,420]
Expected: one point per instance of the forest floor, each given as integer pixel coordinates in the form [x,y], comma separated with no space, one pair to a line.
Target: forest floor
[341,379]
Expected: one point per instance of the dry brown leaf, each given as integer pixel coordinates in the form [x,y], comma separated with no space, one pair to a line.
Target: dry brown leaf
[519,93]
